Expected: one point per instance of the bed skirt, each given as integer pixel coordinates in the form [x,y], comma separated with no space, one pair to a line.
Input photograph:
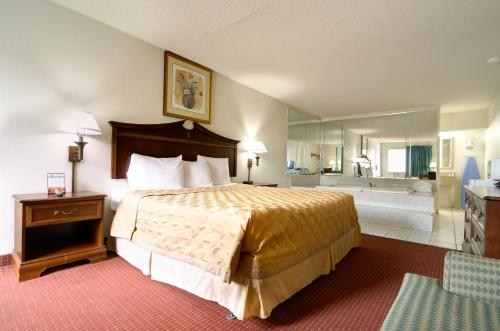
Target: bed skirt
[247,297]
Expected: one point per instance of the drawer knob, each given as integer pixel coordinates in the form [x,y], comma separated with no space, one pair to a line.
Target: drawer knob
[70,212]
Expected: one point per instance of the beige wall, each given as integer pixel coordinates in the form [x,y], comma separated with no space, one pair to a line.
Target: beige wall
[459,126]
[460,156]
[466,120]
[493,131]
[54,61]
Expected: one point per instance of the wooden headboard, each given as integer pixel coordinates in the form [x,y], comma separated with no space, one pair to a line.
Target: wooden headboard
[167,140]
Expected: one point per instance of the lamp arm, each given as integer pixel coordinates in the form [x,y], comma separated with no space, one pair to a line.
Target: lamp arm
[76,153]
[249,165]
[257,157]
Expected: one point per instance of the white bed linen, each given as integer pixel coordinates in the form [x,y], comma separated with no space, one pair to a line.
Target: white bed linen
[146,172]
[244,296]
[116,196]
[135,255]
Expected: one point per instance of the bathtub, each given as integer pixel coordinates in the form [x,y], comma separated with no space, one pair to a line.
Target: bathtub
[399,206]
[399,190]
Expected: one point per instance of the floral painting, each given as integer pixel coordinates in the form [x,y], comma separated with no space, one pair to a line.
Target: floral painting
[187,89]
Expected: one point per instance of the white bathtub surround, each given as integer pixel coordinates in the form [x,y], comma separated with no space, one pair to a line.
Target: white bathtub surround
[447,231]
[392,206]
[422,187]
[376,181]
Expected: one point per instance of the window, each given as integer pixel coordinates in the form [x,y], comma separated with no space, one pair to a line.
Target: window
[396,160]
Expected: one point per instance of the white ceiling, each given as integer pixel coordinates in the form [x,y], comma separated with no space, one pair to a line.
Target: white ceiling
[327,57]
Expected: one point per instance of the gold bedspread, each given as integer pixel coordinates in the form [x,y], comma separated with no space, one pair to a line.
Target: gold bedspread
[261,230]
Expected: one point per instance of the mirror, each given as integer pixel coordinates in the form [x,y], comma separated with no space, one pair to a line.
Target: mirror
[392,146]
[422,144]
[445,153]
[303,144]
[400,145]
[333,148]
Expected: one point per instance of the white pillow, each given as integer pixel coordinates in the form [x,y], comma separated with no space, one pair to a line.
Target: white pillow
[149,173]
[219,169]
[197,174]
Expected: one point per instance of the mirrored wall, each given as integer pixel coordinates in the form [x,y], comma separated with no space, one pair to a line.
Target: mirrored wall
[402,146]
[392,146]
[303,144]
[332,148]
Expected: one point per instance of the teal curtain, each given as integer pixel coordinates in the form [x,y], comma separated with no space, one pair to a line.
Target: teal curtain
[418,159]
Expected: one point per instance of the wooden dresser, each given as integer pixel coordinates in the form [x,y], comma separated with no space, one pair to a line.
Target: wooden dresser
[482,221]
[52,231]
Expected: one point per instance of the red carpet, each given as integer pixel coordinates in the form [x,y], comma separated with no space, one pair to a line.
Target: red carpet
[114,295]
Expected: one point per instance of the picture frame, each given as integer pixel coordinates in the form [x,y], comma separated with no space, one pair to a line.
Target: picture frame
[187,89]
[56,184]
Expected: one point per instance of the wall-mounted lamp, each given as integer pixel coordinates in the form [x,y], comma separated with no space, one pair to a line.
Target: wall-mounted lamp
[253,147]
[83,124]
[469,144]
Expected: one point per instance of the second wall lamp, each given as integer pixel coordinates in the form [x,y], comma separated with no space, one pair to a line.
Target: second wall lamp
[253,148]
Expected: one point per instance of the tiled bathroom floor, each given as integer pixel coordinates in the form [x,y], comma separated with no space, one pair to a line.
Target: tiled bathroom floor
[447,232]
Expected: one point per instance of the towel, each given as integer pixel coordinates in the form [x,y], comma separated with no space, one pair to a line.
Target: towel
[471,171]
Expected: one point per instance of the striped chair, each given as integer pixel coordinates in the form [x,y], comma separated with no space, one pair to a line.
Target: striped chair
[468,300]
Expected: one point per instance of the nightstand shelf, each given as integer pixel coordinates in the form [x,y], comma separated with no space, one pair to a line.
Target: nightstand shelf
[53,231]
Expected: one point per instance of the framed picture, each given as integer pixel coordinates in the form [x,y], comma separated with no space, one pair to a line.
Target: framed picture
[56,184]
[187,89]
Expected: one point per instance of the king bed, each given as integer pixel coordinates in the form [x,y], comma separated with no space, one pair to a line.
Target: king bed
[248,248]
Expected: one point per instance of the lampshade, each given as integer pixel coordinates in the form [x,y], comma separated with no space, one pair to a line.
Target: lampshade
[469,144]
[81,123]
[332,162]
[254,146]
[433,164]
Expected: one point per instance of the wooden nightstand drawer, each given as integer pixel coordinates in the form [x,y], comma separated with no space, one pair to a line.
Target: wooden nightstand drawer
[55,213]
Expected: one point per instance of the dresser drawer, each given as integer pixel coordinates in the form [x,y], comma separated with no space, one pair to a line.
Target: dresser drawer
[479,211]
[45,214]
[468,221]
[477,239]
[469,200]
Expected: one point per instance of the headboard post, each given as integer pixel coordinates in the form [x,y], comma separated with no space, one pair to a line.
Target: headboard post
[167,140]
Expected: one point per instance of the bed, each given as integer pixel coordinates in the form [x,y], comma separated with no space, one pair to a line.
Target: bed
[247,248]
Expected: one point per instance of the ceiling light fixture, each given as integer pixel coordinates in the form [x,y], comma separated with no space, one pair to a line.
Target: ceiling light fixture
[494,60]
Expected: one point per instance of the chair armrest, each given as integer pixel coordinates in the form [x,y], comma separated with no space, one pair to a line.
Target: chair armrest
[472,276]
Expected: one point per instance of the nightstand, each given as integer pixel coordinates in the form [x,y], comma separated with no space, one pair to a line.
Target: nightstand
[263,184]
[52,231]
